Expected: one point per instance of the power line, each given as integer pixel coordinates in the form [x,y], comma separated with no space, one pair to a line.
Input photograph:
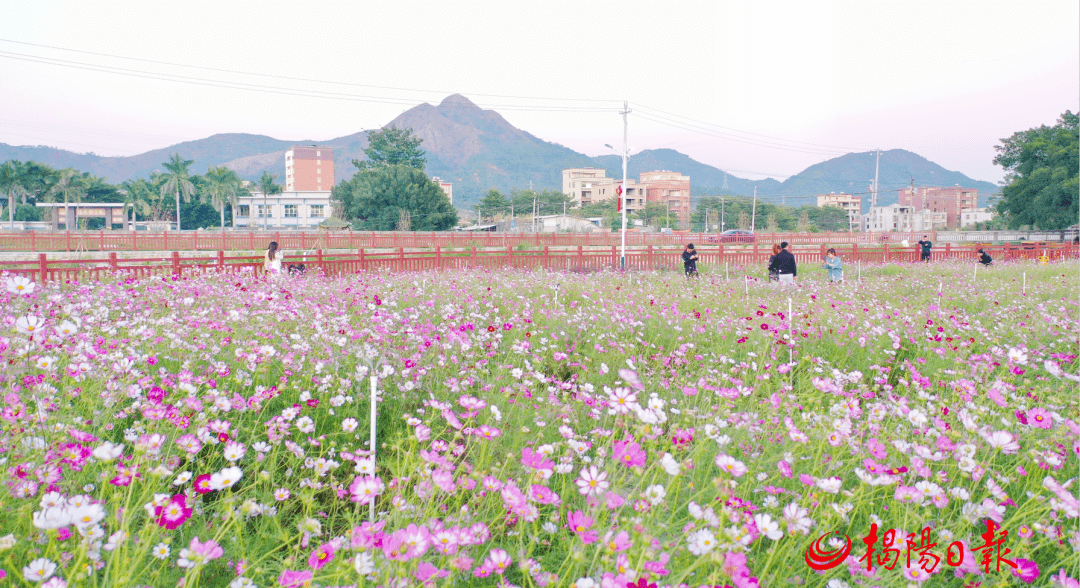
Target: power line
[310,80]
[717,135]
[832,147]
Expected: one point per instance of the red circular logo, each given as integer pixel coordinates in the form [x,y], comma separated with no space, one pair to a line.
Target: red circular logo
[820,559]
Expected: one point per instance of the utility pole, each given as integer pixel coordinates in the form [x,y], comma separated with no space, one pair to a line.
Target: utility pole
[877,167]
[753,212]
[667,215]
[721,215]
[564,213]
[625,156]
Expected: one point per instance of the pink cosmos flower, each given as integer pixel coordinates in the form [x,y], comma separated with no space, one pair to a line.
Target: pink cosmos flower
[487,432]
[202,484]
[729,464]
[629,454]
[498,561]
[291,579]
[617,541]
[581,526]
[322,555]
[1026,570]
[785,468]
[1040,417]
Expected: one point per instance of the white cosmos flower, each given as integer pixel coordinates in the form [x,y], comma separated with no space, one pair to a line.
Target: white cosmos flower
[655,494]
[1017,355]
[768,527]
[1003,440]
[364,564]
[670,465]
[225,478]
[701,542]
[349,425]
[66,329]
[29,325]
[39,570]
[20,285]
[108,451]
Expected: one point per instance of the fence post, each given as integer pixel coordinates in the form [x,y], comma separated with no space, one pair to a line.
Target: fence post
[885,259]
[652,262]
[134,239]
[101,240]
[68,237]
[473,255]
[33,241]
[176,263]
[251,240]
[43,268]
[401,259]
[510,256]
[319,261]
[112,260]
[166,245]
[363,260]
[438,256]
[547,258]
[948,251]
[221,260]
[196,246]
[614,258]
[581,257]
[303,241]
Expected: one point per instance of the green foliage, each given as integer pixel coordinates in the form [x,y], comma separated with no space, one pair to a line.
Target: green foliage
[1041,185]
[392,146]
[178,182]
[738,211]
[494,202]
[376,199]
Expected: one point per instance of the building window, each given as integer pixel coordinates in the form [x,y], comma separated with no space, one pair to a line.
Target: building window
[316,211]
[266,211]
[290,211]
[243,210]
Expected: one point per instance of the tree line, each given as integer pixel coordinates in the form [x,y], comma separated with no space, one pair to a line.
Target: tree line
[198,201]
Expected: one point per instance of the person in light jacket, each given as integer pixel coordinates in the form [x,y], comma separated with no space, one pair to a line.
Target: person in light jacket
[272,260]
[834,265]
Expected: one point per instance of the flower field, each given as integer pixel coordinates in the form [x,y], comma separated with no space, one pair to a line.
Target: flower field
[541,429]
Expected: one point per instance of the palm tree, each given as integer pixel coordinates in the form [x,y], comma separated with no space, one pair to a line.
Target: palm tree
[137,195]
[178,181]
[268,187]
[11,181]
[222,185]
[70,185]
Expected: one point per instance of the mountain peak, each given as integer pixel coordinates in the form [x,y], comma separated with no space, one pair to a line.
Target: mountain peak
[456,101]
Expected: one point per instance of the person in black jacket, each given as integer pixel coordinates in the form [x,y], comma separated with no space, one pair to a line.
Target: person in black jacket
[783,264]
[924,253]
[984,258]
[689,260]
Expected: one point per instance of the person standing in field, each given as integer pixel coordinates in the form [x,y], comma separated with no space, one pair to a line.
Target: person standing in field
[773,275]
[834,265]
[926,245]
[784,264]
[272,261]
[689,259]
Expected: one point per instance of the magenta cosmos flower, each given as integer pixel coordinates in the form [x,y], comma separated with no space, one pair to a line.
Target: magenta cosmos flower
[323,555]
[1026,570]
[1040,417]
[173,513]
[291,579]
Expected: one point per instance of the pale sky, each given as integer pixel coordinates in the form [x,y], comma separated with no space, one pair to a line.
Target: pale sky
[756,88]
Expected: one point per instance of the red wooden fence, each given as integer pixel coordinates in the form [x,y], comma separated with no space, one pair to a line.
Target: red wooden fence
[35,241]
[574,260]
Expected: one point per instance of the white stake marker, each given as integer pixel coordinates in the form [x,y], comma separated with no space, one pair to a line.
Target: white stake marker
[374,385]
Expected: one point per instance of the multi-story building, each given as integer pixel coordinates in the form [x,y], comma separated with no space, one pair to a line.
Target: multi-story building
[636,195]
[969,217]
[672,189]
[287,210]
[902,219]
[309,168]
[849,203]
[447,188]
[952,201]
[585,185]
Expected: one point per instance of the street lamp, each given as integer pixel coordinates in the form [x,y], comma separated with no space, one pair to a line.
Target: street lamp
[625,156]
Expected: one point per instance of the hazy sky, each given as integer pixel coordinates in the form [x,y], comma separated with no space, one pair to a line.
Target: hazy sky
[758,88]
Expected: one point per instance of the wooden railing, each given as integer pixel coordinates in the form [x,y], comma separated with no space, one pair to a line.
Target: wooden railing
[579,259]
[38,241]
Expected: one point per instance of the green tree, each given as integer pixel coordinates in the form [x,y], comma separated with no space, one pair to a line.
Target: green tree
[221,187]
[392,146]
[178,181]
[137,197]
[12,178]
[375,199]
[268,188]
[70,187]
[1041,181]
[494,202]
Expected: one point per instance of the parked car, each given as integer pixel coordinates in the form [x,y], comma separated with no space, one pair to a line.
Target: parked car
[737,236]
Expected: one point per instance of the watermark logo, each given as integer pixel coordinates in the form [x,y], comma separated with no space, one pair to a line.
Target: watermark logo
[819,558]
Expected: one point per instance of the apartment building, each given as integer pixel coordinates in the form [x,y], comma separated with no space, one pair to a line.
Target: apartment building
[952,201]
[849,203]
[447,188]
[672,189]
[636,195]
[309,168]
[900,218]
[585,185]
[969,217]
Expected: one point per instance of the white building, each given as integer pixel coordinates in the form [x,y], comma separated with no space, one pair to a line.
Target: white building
[902,219]
[447,188]
[287,210]
[585,185]
[970,216]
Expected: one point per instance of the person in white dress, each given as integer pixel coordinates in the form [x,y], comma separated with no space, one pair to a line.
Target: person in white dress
[272,261]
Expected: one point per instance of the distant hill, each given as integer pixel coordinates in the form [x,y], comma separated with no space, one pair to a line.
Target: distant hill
[478,149]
